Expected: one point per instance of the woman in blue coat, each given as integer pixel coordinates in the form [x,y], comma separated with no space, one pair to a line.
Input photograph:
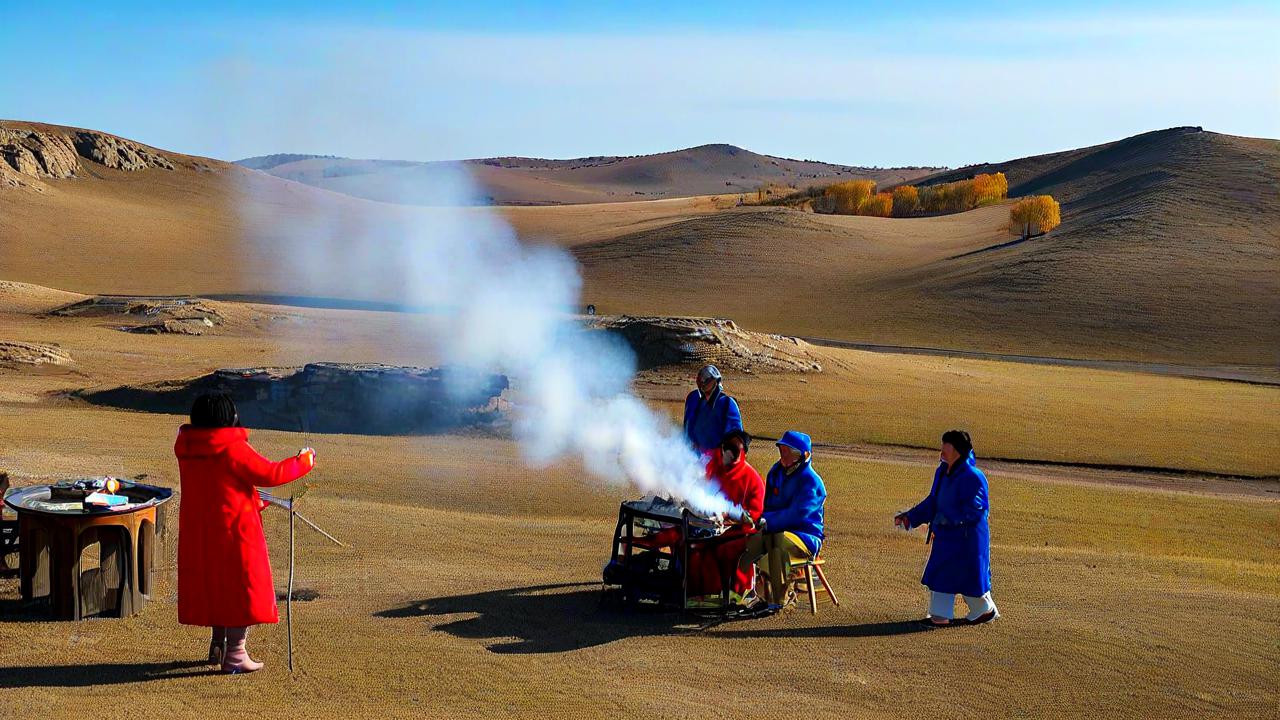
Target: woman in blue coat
[956,512]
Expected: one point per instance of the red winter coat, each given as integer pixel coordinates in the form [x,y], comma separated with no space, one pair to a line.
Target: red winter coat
[224,575]
[708,563]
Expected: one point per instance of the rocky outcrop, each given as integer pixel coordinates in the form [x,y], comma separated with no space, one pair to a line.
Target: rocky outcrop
[364,399]
[25,353]
[118,153]
[28,155]
[661,341]
[38,154]
[184,326]
[150,315]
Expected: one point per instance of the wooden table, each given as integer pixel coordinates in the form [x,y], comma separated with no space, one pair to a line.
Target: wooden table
[57,543]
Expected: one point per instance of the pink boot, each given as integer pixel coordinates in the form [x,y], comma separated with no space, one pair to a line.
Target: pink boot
[237,658]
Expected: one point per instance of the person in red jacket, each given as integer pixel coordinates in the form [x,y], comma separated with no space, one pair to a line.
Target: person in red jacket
[224,574]
[714,562]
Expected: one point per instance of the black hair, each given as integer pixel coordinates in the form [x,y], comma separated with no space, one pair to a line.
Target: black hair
[959,439]
[214,410]
[741,435]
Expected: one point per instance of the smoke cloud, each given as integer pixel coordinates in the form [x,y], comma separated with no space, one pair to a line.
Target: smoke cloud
[503,306]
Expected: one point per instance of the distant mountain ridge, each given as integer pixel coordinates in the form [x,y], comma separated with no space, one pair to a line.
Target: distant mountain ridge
[266,162]
[515,180]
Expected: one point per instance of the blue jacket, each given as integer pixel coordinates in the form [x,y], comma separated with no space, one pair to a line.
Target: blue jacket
[793,503]
[706,424]
[957,507]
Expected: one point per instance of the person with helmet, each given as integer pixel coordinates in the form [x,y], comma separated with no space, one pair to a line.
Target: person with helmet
[709,413]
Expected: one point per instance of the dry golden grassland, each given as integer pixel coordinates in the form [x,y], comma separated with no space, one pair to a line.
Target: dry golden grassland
[471,587]
[471,590]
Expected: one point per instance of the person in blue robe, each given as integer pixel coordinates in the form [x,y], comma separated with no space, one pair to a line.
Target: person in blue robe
[956,511]
[709,413]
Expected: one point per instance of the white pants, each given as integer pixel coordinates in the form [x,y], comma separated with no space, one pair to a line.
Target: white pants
[942,605]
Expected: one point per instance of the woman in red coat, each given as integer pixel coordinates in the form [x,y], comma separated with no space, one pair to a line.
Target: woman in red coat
[224,574]
[711,563]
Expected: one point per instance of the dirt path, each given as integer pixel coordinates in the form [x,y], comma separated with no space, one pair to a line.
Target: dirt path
[1156,479]
[1256,375]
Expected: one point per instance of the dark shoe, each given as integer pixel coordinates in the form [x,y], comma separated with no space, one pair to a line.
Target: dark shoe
[760,609]
[217,651]
[983,618]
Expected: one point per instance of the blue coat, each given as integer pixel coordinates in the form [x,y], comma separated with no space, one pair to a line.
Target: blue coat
[793,503]
[706,424]
[957,507]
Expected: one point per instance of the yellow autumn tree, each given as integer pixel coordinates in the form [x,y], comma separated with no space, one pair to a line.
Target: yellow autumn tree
[989,188]
[1035,215]
[906,200]
[878,205]
[964,195]
[844,198]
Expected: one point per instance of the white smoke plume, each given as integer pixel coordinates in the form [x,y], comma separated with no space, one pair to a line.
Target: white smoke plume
[505,306]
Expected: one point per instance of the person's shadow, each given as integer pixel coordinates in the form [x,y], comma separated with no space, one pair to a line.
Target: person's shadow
[82,675]
[543,618]
[570,616]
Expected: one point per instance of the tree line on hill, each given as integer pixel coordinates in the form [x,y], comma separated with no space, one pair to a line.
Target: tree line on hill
[1028,217]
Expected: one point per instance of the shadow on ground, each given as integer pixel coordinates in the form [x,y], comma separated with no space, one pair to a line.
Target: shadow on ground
[99,674]
[543,618]
[570,616]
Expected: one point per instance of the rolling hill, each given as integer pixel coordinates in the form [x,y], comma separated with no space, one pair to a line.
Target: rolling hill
[702,170]
[1167,252]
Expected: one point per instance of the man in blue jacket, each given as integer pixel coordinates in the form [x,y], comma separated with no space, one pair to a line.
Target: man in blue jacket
[791,526]
[710,414]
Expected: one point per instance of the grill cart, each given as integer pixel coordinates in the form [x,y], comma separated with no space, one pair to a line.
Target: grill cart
[650,559]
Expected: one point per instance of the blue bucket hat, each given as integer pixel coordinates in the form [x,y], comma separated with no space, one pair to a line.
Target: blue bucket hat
[796,441]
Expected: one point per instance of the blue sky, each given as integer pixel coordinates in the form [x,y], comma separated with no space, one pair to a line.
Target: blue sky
[879,83]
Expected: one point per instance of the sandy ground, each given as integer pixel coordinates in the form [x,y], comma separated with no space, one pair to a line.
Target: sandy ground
[472,584]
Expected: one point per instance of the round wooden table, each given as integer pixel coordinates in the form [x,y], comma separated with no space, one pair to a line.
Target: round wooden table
[88,561]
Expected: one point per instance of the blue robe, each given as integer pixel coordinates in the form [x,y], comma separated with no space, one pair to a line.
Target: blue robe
[794,503]
[957,507]
[706,423]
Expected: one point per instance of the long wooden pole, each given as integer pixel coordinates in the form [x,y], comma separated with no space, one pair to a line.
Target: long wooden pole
[288,601]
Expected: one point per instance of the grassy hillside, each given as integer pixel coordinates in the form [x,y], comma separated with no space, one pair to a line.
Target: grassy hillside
[702,170]
[1166,253]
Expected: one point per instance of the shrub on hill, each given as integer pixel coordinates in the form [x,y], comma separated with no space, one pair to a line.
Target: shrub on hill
[1033,216]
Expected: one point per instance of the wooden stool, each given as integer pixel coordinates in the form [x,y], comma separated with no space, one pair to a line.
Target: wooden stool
[803,572]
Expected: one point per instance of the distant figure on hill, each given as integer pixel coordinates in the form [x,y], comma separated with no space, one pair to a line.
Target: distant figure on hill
[710,414]
[224,574]
[791,526]
[956,512]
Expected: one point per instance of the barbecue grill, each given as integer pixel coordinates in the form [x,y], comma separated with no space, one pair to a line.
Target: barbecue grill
[644,569]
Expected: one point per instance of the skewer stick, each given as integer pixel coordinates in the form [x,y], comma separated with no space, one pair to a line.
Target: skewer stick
[318,529]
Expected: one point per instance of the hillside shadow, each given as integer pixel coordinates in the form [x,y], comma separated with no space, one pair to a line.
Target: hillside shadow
[87,675]
[543,618]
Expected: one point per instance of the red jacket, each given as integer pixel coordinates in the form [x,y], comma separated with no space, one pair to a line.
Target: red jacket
[224,575]
[740,483]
